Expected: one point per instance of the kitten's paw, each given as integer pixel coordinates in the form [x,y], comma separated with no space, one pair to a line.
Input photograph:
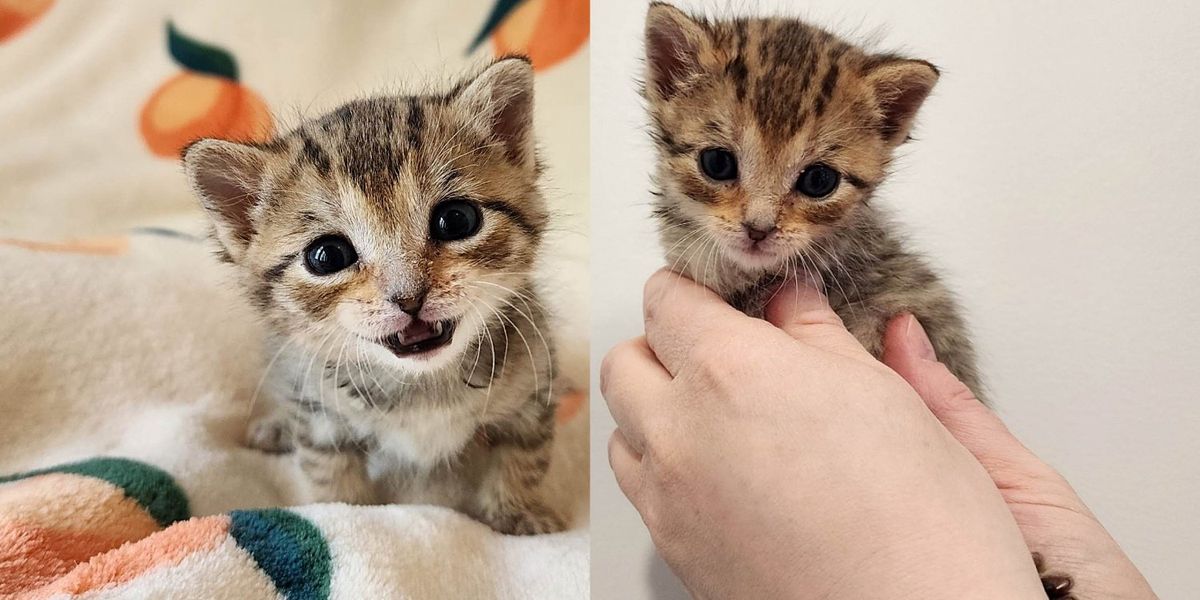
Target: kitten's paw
[1057,586]
[531,519]
[272,434]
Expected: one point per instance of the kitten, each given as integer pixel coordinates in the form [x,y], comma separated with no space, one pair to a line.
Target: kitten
[772,136]
[388,246]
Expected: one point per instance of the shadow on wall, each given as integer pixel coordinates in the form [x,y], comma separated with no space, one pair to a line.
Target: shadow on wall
[663,582]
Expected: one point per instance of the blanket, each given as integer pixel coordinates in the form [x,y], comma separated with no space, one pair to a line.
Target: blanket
[55,519]
[131,363]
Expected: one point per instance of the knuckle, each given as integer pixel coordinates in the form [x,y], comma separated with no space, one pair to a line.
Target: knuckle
[670,469]
[720,354]
[651,517]
[818,317]
[963,398]
[610,365]
[612,455]
[620,471]
[606,368]
[711,350]
[652,292]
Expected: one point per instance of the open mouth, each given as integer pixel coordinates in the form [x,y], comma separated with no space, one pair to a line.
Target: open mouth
[419,337]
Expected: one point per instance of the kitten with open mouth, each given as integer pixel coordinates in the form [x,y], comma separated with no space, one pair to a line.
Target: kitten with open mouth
[388,246]
[419,338]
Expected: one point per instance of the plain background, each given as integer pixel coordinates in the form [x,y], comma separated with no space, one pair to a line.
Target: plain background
[1054,183]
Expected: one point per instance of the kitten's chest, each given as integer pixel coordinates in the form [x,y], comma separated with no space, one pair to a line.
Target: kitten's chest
[416,423]
[860,315]
[415,426]
[422,438]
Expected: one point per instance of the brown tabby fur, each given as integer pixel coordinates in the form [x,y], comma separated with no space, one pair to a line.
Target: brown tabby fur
[470,427]
[782,95]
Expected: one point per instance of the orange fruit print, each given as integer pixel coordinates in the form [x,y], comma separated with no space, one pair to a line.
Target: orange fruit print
[548,31]
[16,14]
[205,100]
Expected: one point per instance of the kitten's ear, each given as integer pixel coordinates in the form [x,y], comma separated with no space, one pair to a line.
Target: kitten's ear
[228,178]
[900,87]
[502,95]
[674,41]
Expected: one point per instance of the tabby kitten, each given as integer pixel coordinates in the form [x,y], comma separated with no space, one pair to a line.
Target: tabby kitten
[388,247]
[772,136]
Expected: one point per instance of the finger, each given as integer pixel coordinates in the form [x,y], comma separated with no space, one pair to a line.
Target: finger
[631,380]
[678,313]
[626,464]
[800,308]
[908,351]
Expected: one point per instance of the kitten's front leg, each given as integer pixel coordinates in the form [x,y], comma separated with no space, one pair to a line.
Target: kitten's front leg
[333,462]
[509,498]
[271,433]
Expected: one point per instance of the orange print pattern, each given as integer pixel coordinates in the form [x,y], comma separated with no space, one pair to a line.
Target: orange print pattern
[205,100]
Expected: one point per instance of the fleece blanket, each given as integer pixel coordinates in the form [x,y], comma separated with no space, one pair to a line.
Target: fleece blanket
[130,363]
[95,529]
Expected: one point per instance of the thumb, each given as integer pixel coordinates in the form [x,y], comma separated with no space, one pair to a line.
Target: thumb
[801,310]
[908,351]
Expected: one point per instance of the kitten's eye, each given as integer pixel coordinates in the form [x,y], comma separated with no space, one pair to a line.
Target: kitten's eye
[719,164]
[818,181]
[329,254]
[455,220]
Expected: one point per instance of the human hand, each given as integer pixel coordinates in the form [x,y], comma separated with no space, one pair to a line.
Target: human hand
[779,459]
[1053,519]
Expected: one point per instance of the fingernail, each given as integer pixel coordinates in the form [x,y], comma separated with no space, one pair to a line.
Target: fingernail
[915,334]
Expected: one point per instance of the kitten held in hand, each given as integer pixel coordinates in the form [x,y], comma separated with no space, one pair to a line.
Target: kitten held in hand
[772,136]
[388,246]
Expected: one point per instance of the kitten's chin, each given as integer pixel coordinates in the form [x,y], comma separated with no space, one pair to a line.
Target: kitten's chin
[754,259]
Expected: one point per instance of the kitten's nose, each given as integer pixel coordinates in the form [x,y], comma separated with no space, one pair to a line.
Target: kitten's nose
[758,232]
[410,304]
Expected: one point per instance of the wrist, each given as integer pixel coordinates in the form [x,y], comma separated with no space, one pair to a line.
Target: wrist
[950,567]
[970,551]
[1078,547]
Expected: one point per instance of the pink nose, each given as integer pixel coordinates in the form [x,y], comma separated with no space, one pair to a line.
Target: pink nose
[757,233]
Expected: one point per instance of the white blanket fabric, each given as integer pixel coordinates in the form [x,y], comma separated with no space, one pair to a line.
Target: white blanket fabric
[134,345]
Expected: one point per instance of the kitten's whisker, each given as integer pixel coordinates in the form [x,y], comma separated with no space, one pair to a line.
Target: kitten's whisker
[523,295]
[782,275]
[355,364]
[714,258]
[337,382]
[267,371]
[364,366]
[478,350]
[691,239]
[307,377]
[846,299]
[686,256]
[538,331]
[691,235]
[492,377]
[303,391]
[529,349]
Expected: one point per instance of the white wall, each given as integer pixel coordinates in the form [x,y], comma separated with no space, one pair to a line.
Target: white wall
[1056,184]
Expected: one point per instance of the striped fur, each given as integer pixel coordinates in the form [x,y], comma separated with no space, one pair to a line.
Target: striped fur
[364,424]
[783,95]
